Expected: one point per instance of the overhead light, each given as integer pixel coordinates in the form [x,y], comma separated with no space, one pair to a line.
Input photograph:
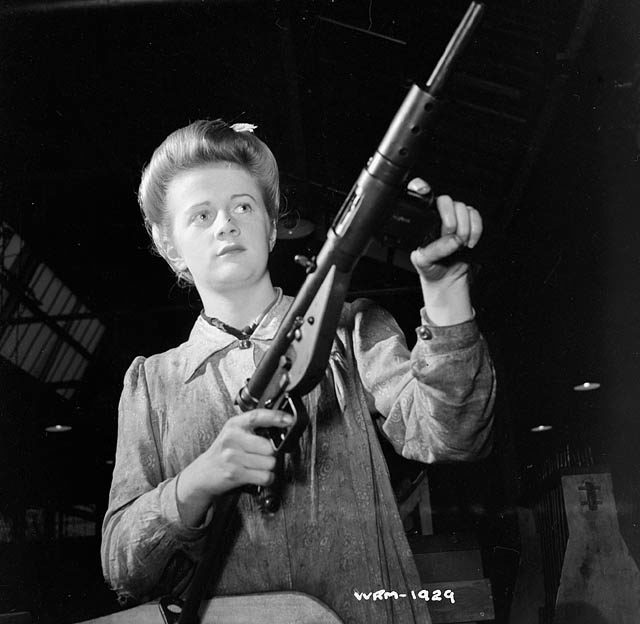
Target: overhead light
[294,226]
[58,428]
[541,428]
[586,386]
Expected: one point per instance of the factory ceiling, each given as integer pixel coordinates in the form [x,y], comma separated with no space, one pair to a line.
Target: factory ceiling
[89,88]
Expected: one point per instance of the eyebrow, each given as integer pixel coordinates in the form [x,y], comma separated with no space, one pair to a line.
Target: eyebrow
[234,196]
[202,203]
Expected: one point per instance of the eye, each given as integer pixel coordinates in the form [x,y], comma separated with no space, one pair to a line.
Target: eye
[200,217]
[242,208]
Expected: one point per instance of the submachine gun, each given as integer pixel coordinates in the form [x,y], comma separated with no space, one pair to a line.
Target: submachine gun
[297,358]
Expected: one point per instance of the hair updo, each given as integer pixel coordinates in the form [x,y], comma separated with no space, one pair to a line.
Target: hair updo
[201,143]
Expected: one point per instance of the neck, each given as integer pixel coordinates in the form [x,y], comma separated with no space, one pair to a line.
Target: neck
[240,307]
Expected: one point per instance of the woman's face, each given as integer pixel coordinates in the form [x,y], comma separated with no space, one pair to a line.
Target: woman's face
[221,230]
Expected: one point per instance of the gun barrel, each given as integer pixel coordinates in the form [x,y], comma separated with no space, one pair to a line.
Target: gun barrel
[455,46]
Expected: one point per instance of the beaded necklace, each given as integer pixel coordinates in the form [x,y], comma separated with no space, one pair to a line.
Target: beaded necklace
[244,334]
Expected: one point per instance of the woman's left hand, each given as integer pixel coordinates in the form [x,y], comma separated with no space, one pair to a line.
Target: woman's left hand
[443,277]
[461,227]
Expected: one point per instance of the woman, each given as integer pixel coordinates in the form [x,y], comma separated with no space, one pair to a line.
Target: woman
[210,201]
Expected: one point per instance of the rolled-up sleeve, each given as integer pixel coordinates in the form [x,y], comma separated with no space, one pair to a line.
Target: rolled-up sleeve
[437,400]
[146,548]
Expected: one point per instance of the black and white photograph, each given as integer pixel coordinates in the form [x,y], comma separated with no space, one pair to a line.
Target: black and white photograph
[319,312]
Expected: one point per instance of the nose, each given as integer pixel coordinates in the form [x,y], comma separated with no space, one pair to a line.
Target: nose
[226,226]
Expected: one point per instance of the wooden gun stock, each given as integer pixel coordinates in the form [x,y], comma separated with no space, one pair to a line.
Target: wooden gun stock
[276,607]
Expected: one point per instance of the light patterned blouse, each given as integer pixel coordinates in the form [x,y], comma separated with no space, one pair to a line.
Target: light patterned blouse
[338,530]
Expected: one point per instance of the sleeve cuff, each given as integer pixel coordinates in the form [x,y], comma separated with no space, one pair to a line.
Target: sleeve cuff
[438,339]
[169,510]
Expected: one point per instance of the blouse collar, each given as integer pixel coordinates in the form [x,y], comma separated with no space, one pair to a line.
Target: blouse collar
[206,340]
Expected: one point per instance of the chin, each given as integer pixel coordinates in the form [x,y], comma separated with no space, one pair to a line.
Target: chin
[231,280]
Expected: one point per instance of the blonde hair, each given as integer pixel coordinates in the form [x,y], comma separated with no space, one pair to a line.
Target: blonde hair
[201,143]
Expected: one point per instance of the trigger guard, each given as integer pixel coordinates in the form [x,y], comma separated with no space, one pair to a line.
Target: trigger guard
[294,433]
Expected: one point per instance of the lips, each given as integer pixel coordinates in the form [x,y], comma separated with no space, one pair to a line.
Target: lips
[227,249]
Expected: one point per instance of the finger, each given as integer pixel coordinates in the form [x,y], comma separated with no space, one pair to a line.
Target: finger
[447,215]
[253,443]
[424,257]
[463,228]
[418,185]
[263,418]
[232,466]
[257,477]
[252,461]
[476,227]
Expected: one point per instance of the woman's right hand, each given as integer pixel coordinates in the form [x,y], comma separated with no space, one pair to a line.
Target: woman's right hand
[237,457]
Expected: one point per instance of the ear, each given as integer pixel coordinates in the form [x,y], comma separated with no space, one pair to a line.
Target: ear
[167,249]
[174,257]
[273,235]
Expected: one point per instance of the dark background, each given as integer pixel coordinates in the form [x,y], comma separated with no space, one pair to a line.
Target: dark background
[539,131]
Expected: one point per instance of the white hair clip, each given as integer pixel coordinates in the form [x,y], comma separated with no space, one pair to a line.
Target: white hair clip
[243,127]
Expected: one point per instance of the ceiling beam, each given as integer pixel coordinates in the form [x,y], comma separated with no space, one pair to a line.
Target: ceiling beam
[545,119]
[18,7]
[14,286]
